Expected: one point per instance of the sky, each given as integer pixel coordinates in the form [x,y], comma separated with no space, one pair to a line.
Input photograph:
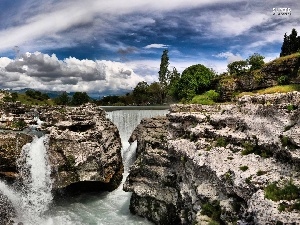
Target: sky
[108,46]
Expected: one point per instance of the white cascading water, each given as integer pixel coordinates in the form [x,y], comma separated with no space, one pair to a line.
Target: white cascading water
[33,198]
[109,208]
[127,121]
[12,195]
[36,189]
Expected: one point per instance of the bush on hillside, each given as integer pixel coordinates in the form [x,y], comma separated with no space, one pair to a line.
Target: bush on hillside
[208,98]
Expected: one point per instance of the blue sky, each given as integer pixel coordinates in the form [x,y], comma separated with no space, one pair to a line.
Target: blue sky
[106,47]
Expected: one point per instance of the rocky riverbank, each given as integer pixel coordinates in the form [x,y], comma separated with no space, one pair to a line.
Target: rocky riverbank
[229,164]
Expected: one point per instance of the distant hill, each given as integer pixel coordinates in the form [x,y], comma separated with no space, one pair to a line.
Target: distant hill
[93,95]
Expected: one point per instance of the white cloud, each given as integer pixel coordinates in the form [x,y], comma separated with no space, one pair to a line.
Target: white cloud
[230,25]
[42,71]
[156,46]
[229,56]
[4,61]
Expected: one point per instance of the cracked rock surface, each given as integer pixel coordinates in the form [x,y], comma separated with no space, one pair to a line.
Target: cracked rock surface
[204,163]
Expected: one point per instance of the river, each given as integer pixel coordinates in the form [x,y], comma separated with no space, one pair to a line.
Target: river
[107,208]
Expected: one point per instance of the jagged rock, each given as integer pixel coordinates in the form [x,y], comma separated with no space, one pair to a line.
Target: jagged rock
[217,160]
[11,144]
[84,146]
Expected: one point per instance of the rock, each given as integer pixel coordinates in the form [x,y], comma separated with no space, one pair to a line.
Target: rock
[151,180]
[267,76]
[11,144]
[83,145]
[216,160]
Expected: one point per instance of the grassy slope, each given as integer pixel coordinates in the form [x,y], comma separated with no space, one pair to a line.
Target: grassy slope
[278,88]
[24,99]
[275,89]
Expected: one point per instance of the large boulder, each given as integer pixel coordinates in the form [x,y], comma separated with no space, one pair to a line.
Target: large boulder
[84,148]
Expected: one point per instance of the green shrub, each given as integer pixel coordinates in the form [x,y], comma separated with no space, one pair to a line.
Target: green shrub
[284,206]
[221,142]
[286,142]
[213,223]
[202,99]
[248,180]
[282,80]
[208,98]
[260,172]
[290,107]
[20,124]
[248,148]
[194,80]
[253,148]
[288,192]
[244,168]
[212,210]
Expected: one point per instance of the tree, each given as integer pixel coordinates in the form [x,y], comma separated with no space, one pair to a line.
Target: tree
[140,93]
[62,99]
[256,61]
[237,67]
[37,95]
[194,80]
[174,79]
[14,96]
[154,92]
[291,43]
[163,69]
[80,98]
[164,73]
[285,46]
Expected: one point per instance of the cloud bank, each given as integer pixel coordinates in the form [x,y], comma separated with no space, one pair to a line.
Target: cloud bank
[42,71]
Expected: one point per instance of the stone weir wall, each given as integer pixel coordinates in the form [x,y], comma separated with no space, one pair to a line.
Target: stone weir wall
[84,147]
[221,164]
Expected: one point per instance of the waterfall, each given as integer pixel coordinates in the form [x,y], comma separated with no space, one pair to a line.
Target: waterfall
[33,201]
[33,196]
[127,121]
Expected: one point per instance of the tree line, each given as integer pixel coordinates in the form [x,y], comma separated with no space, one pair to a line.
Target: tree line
[196,83]
[78,98]
[170,87]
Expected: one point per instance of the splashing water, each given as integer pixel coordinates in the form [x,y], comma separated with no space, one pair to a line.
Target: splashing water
[127,121]
[35,196]
[12,195]
[33,201]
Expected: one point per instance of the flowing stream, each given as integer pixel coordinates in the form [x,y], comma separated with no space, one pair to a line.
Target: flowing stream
[33,203]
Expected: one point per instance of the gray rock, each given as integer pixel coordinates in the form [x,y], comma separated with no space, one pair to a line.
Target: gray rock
[217,160]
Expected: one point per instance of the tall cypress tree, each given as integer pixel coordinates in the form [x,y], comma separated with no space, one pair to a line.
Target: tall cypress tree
[163,74]
[163,69]
[285,46]
[291,43]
